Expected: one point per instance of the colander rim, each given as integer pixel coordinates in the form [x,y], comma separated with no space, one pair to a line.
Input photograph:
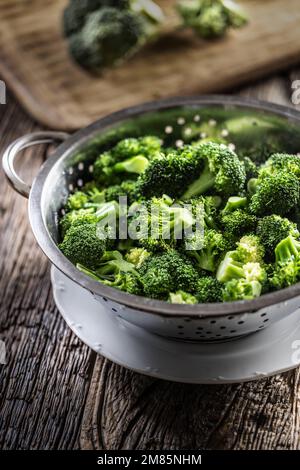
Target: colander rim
[161,308]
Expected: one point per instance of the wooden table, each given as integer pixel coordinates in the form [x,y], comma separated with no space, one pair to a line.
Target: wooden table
[55,393]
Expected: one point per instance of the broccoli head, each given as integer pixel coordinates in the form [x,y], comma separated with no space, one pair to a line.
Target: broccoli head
[161,224]
[129,156]
[211,18]
[102,32]
[206,249]
[79,217]
[274,194]
[168,174]
[237,223]
[208,290]
[272,229]
[279,162]
[181,297]
[82,245]
[168,272]
[241,281]
[250,249]
[222,171]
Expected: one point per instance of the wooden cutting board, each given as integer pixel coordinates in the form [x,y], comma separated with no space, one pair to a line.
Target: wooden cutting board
[34,61]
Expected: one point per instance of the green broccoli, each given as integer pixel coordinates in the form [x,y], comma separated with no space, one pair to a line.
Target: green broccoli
[241,281]
[222,170]
[82,245]
[250,249]
[129,156]
[168,272]
[205,208]
[103,32]
[274,194]
[208,290]
[78,217]
[272,229]
[169,174]
[279,162]
[125,189]
[115,271]
[237,223]
[137,256]
[287,266]
[77,201]
[207,249]
[161,224]
[181,297]
[234,203]
[211,18]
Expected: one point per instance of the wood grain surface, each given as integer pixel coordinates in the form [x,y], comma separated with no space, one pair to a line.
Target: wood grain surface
[34,60]
[56,394]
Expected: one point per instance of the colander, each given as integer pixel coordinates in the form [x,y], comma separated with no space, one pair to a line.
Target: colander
[175,121]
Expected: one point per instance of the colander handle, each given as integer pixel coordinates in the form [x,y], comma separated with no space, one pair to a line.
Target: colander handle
[10,154]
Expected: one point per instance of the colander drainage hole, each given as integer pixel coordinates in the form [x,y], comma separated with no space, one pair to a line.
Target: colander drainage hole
[263,314]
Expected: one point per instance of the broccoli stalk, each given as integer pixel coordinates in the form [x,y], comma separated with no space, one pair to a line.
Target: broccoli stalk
[287,249]
[222,170]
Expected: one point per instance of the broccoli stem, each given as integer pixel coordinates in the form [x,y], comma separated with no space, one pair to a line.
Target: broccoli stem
[230,269]
[148,8]
[287,249]
[136,164]
[201,185]
[234,203]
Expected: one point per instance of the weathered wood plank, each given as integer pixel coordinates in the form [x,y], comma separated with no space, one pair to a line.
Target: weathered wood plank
[43,386]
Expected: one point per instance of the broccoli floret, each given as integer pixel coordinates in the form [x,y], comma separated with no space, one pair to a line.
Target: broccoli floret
[287,266]
[207,249]
[274,194]
[125,281]
[126,188]
[250,249]
[82,245]
[237,223]
[241,281]
[129,156]
[281,162]
[241,289]
[169,174]
[161,224]
[167,272]
[250,168]
[146,146]
[211,18]
[204,208]
[137,256]
[272,229]
[77,201]
[78,217]
[181,297]
[208,290]
[222,171]
[101,33]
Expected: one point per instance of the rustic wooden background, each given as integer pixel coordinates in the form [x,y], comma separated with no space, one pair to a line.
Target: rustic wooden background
[35,61]
[57,394]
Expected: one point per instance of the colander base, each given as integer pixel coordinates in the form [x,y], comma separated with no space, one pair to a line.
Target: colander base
[268,352]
